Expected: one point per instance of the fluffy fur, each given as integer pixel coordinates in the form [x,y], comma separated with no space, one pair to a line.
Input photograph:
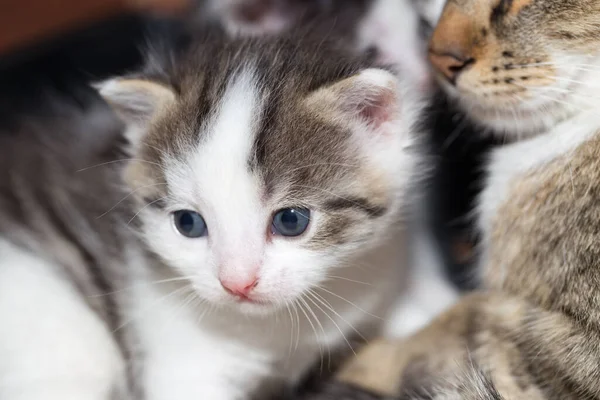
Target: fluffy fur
[258,127]
[529,64]
[534,329]
[234,130]
[392,33]
[62,251]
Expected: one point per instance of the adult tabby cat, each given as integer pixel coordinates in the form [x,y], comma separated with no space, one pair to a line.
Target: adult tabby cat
[528,71]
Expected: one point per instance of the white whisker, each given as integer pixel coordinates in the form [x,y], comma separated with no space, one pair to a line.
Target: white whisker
[177,279]
[334,323]
[143,208]
[116,161]
[349,280]
[151,306]
[349,302]
[130,193]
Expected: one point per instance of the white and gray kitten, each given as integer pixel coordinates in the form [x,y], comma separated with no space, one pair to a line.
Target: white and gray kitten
[254,225]
[270,184]
[393,33]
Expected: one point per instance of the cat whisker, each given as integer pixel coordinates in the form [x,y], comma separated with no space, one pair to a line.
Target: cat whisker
[178,279]
[207,310]
[328,305]
[550,98]
[295,308]
[146,206]
[570,93]
[161,151]
[152,305]
[179,308]
[324,338]
[303,301]
[582,67]
[125,198]
[349,302]
[287,306]
[117,161]
[460,128]
[349,280]
[332,320]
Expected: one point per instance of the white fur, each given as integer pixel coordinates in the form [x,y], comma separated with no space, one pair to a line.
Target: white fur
[52,346]
[509,162]
[199,340]
[574,88]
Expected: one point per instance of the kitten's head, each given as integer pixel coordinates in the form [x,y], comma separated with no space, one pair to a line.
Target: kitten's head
[264,166]
[519,66]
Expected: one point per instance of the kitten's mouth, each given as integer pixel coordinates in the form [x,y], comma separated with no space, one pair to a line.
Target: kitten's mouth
[245,299]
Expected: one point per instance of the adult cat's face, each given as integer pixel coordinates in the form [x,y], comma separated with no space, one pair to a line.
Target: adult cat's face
[257,183]
[519,66]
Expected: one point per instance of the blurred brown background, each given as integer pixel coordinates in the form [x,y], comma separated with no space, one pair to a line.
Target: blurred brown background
[23,22]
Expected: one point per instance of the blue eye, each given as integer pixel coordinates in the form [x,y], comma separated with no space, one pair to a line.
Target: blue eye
[291,221]
[189,223]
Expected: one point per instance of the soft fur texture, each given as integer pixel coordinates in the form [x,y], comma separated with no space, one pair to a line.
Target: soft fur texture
[534,329]
[63,236]
[530,64]
[391,33]
[95,277]
[257,127]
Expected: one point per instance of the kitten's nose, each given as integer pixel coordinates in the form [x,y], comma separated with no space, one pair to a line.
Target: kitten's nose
[239,287]
[452,43]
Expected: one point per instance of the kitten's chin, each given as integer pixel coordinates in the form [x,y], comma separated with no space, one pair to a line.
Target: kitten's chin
[255,308]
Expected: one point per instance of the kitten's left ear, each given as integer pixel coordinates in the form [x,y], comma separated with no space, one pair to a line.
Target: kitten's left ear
[370,97]
[136,102]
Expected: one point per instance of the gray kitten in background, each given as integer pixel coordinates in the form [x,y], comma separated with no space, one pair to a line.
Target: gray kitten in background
[245,224]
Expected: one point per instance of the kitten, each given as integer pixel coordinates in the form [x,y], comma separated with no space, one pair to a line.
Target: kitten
[61,251]
[266,181]
[394,33]
[272,184]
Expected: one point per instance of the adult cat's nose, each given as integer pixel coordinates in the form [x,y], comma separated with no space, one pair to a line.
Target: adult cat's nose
[450,64]
[452,43]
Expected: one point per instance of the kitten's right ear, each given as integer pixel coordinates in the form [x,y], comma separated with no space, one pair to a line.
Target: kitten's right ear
[136,102]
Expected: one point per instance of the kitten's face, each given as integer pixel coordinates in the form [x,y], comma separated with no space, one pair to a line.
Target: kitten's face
[519,66]
[257,198]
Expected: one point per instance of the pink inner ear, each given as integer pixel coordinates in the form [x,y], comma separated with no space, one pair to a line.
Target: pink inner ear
[378,109]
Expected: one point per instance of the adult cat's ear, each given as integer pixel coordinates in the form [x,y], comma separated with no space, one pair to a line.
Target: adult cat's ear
[369,98]
[136,102]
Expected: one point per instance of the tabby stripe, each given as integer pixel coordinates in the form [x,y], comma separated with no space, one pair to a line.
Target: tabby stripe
[357,203]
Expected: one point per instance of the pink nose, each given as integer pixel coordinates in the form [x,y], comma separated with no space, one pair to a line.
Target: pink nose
[239,288]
